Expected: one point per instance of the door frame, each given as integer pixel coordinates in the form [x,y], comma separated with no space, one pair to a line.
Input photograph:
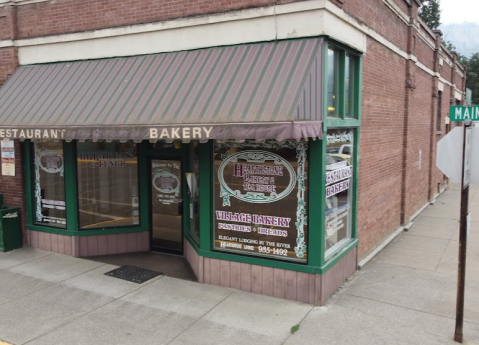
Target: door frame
[182,155]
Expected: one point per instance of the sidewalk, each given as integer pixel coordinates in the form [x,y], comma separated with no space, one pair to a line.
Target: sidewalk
[407,295]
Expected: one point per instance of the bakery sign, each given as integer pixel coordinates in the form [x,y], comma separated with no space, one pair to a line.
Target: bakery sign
[256,173]
[261,131]
[260,199]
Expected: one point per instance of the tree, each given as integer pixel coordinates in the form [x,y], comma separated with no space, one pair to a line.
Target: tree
[472,76]
[430,13]
[449,45]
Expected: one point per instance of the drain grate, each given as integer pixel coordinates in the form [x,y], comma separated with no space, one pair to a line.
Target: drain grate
[133,274]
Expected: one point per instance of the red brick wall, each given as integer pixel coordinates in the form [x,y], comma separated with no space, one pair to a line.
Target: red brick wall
[424,53]
[381,145]
[437,175]
[403,5]
[8,63]
[376,15]
[419,131]
[446,71]
[7,18]
[66,16]
[13,187]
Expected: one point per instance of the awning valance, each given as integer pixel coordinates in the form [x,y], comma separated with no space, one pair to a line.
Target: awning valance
[258,91]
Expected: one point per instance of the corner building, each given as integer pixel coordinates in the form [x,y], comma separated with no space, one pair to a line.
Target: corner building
[274,144]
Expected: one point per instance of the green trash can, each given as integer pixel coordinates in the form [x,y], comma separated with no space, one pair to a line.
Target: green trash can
[10,231]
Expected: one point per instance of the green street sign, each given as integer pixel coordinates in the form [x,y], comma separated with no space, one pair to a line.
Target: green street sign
[462,113]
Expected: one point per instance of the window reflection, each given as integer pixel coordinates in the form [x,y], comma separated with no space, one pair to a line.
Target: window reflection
[349,86]
[49,189]
[338,184]
[333,83]
[107,184]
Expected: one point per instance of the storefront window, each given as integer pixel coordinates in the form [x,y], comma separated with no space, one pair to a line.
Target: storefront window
[49,189]
[349,86]
[260,199]
[107,184]
[194,188]
[339,174]
[333,83]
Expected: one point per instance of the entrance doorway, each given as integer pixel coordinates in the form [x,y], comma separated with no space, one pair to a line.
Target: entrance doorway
[166,199]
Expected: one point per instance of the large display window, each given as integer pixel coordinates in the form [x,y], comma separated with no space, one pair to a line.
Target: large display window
[260,199]
[107,184]
[339,189]
[49,185]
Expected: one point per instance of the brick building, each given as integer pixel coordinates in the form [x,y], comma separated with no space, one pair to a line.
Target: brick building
[323,114]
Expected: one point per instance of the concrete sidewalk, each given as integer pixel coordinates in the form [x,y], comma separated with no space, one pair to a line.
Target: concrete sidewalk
[407,295]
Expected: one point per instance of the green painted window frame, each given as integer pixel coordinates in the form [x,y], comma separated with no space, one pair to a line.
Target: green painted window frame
[357,59]
[317,264]
[183,155]
[71,192]
[354,124]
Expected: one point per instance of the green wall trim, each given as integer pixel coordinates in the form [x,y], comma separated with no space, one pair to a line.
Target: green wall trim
[94,232]
[338,256]
[342,123]
[359,85]
[315,204]
[355,187]
[342,84]
[71,191]
[206,196]
[143,184]
[50,230]
[27,149]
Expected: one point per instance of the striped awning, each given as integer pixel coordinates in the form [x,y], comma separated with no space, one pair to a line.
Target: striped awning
[257,91]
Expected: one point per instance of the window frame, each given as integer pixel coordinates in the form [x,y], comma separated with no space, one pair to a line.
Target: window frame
[356,63]
[31,183]
[342,122]
[71,193]
[105,228]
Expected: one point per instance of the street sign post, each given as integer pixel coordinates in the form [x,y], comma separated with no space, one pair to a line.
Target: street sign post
[445,147]
[463,230]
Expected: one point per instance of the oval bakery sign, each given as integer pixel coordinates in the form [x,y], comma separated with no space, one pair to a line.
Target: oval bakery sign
[255,176]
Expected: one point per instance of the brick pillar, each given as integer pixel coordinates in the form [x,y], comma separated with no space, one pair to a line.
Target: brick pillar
[410,86]
[434,108]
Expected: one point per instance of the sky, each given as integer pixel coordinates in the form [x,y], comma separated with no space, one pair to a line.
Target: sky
[458,11]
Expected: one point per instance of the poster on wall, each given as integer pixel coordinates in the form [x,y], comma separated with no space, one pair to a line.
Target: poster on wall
[8,158]
[260,199]
[339,172]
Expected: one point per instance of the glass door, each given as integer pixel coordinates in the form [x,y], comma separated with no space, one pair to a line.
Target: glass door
[166,205]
